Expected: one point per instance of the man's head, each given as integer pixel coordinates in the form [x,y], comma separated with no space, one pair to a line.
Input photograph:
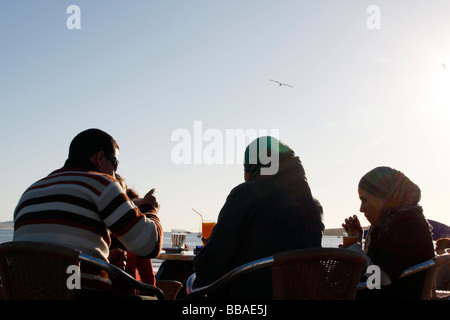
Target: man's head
[97,147]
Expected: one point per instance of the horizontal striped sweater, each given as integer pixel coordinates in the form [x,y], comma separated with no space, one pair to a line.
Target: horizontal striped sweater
[80,209]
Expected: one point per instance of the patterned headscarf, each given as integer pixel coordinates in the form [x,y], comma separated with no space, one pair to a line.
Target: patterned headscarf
[391,185]
[400,193]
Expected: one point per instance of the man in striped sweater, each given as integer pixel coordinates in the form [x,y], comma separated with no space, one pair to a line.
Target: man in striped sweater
[81,205]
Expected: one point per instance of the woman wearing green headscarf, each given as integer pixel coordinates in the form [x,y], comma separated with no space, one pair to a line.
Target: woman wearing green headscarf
[399,235]
[272,211]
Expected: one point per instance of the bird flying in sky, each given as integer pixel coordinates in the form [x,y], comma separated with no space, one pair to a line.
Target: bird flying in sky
[281,84]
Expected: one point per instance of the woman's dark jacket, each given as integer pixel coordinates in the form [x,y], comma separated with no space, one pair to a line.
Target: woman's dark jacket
[406,242]
[259,218]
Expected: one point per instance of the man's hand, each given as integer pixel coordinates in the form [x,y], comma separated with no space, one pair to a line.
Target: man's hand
[148,203]
[118,257]
[150,199]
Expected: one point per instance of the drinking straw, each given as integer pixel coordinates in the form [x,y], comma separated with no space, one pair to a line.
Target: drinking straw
[198,213]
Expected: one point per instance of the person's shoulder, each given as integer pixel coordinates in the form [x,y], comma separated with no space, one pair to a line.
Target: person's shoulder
[411,221]
[241,192]
[106,177]
[102,178]
[246,187]
[410,215]
[318,205]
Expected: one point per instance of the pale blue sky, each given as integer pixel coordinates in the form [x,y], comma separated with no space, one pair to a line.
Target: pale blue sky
[142,69]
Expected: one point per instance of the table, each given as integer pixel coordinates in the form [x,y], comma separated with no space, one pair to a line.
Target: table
[185,256]
[176,266]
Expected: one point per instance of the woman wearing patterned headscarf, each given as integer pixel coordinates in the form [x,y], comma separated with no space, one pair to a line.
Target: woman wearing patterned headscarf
[399,236]
[271,212]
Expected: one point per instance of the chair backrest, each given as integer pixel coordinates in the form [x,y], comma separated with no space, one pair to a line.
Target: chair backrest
[170,288]
[317,274]
[429,281]
[321,273]
[209,290]
[440,261]
[38,271]
[431,268]
[33,271]
[428,268]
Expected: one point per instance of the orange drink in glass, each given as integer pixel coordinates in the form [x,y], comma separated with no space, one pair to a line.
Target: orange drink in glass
[207,227]
[349,240]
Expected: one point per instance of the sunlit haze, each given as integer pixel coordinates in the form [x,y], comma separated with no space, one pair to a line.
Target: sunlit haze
[368,88]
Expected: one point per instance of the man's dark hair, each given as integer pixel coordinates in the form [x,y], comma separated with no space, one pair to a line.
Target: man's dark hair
[87,143]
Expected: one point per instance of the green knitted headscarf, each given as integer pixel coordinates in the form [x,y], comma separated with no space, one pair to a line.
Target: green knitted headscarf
[262,156]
